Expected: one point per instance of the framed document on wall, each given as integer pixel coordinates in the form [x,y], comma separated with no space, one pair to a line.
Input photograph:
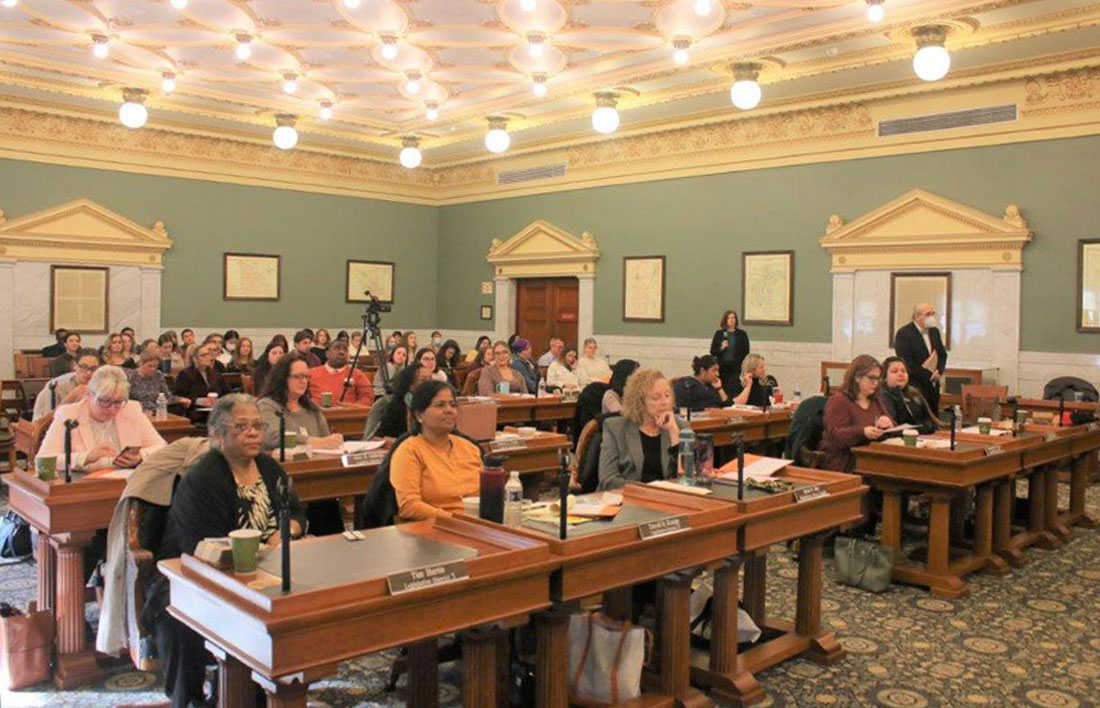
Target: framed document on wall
[1088,285]
[907,290]
[373,276]
[250,276]
[78,298]
[644,289]
[486,312]
[767,287]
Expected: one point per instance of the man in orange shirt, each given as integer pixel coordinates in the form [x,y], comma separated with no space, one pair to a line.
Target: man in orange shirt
[330,376]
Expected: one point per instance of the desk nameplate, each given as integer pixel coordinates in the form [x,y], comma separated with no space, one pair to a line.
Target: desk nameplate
[423,578]
[994,450]
[662,527]
[1093,427]
[810,491]
[507,445]
[1050,436]
[370,457]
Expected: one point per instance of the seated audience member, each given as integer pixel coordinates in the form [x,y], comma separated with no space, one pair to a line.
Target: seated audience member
[703,389]
[640,445]
[752,389]
[480,346]
[356,339]
[590,366]
[197,382]
[58,347]
[523,362]
[129,331]
[342,334]
[170,360]
[853,415]
[229,346]
[243,361]
[321,340]
[286,391]
[562,371]
[111,353]
[63,362]
[449,358]
[218,343]
[434,468]
[427,359]
[501,371]
[147,383]
[473,374]
[331,376]
[272,354]
[553,352]
[612,398]
[67,388]
[902,402]
[303,343]
[436,341]
[395,417]
[187,346]
[234,486]
[113,432]
[410,343]
[398,360]
[128,348]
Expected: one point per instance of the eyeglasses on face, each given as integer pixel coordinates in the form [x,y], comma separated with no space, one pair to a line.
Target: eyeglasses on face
[86,367]
[243,426]
[299,377]
[110,402]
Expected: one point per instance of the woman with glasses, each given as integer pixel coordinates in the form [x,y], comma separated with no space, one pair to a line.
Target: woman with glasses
[112,432]
[501,374]
[853,415]
[67,388]
[428,359]
[234,486]
[147,383]
[287,392]
[201,383]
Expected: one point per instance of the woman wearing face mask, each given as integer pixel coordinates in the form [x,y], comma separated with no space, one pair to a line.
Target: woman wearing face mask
[229,345]
[640,445]
[853,415]
[902,402]
[703,389]
[437,341]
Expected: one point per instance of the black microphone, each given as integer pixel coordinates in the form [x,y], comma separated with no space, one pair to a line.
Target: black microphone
[563,497]
[825,385]
[69,426]
[282,435]
[953,422]
[284,529]
[740,468]
[1061,410]
[53,395]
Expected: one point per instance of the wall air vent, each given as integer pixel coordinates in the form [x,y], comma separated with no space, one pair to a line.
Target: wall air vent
[945,121]
[528,174]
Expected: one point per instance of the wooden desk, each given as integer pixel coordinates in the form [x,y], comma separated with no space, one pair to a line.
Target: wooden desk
[290,640]
[752,426]
[770,519]
[514,409]
[610,557]
[538,461]
[347,419]
[174,427]
[942,474]
[1043,405]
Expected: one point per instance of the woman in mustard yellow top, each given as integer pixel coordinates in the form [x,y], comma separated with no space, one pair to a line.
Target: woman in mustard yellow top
[432,470]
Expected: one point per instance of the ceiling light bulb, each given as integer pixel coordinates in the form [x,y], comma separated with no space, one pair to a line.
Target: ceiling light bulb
[9,3]
[132,113]
[326,111]
[244,48]
[605,119]
[432,112]
[527,5]
[179,4]
[497,139]
[535,50]
[389,49]
[876,10]
[99,47]
[410,156]
[680,56]
[412,85]
[285,136]
[351,4]
[932,60]
[290,84]
[539,86]
[703,7]
[746,93]
[680,47]
[168,82]
[536,45]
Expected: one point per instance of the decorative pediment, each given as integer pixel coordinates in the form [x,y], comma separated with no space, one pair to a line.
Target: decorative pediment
[542,249]
[924,230]
[82,232]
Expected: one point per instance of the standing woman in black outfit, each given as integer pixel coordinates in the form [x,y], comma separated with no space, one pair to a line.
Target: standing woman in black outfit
[730,346]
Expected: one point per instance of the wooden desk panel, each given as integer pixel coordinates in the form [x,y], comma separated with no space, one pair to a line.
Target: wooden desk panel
[348,419]
[727,425]
[512,410]
[174,427]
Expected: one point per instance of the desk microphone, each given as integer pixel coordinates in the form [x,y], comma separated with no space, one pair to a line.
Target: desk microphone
[1015,403]
[825,385]
[954,419]
[282,435]
[563,497]
[740,468]
[69,426]
[53,395]
[284,528]
[1061,410]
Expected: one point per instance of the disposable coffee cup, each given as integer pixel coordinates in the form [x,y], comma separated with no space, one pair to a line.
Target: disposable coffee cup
[290,438]
[1021,417]
[984,424]
[246,549]
[46,468]
[503,387]
[326,398]
[910,437]
[471,505]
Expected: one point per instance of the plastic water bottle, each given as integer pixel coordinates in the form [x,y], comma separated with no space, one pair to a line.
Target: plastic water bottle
[797,397]
[541,392]
[513,501]
[162,407]
[687,455]
[958,418]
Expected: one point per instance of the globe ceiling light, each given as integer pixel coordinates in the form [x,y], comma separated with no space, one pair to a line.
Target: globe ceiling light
[9,3]
[132,113]
[539,87]
[536,44]
[244,47]
[99,46]
[605,119]
[497,139]
[285,136]
[412,82]
[179,4]
[168,82]
[290,83]
[932,60]
[703,7]
[680,47]
[352,4]
[527,5]
[389,47]
[326,110]
[410,156]
[876,10]
[746,93]
[431,110]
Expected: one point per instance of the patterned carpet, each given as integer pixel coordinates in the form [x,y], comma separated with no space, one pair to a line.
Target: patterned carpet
[1030,639]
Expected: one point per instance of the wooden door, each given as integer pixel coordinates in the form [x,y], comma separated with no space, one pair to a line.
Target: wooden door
[547,307]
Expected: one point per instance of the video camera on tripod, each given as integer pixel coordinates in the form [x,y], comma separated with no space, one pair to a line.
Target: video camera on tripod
[372,321]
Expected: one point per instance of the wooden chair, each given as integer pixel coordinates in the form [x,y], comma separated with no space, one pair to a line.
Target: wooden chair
[13,399]
[588,433]
[144,521]
[27,438]
[234,381]
[983,401]
[469,386]
[246,384]
[809,458]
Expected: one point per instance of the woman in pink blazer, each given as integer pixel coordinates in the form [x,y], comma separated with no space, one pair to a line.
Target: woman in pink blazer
[113,432]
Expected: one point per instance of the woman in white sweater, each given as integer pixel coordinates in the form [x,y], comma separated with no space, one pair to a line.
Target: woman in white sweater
[562,373]
[590,366]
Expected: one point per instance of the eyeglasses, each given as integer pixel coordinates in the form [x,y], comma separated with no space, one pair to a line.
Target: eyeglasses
[111,402]
[85,367]
[299,377]
[243,426]
[873,379]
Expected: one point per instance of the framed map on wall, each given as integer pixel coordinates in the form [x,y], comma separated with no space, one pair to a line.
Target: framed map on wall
[78,299]
[767,287]
[250,276]
[644,289]
[1088,285]
[375,277]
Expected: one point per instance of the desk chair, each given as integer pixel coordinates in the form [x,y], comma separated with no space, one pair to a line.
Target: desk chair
[145,524]
[983,401]
[13,399]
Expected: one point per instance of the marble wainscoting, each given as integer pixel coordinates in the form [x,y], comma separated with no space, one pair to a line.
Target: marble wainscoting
[1037,368]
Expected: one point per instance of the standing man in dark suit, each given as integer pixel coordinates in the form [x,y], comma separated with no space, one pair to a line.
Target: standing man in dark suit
[920,345]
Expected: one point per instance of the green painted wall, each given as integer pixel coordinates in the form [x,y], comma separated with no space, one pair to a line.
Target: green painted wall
[315,234]
[703,224]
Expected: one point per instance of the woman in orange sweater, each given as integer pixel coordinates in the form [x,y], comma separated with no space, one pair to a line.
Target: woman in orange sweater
[434,468]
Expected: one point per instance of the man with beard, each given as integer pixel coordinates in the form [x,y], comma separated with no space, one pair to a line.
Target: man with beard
[330,377]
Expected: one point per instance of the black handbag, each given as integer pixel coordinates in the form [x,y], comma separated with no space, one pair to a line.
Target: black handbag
[863,564]
[15,538]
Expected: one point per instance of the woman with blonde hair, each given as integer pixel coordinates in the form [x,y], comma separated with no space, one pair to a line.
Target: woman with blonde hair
[640,445]
[752,389]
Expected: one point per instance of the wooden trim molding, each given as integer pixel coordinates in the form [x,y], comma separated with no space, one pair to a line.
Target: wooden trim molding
[543,250]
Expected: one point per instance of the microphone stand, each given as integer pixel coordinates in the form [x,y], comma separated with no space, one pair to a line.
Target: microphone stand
[53,395]
[740,468]
[1015,403]
[69,426]
[282,435]
[563,498]
[825,385]
[372,321]
[1061,410]
[284,530]
[953,421]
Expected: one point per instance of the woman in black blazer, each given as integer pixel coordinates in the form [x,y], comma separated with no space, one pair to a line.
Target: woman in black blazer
[199,380]
[730,346]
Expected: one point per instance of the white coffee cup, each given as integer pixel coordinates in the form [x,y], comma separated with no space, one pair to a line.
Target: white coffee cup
[527,431]
[471,505]
[910,437]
